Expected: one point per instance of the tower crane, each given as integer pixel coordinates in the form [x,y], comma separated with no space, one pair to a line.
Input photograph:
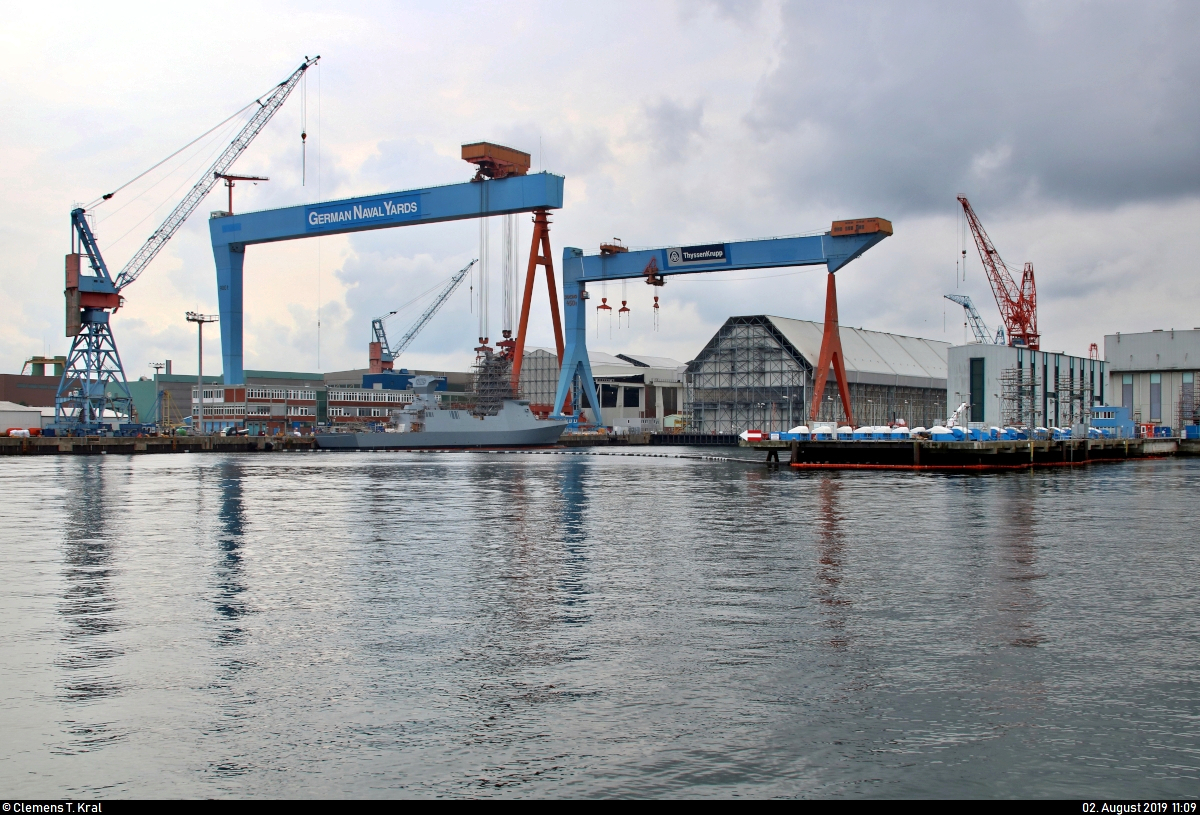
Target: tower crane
[978,328]
[382,356]
[94,363]
[1018,306]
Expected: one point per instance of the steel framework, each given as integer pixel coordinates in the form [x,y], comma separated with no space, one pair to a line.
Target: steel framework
[750,376]
[93,381]
[1019,397]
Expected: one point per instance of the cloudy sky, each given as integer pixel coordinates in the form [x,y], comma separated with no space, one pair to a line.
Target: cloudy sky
[1072,127]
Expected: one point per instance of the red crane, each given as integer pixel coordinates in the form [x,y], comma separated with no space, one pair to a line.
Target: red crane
[1018,306]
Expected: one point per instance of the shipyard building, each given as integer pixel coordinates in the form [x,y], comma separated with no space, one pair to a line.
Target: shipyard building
[757,372]
[635,390]
[1153,374]
[1011,386]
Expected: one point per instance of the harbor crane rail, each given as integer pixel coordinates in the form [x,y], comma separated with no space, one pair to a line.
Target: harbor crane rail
[382,355]
[845,241]
[93,363]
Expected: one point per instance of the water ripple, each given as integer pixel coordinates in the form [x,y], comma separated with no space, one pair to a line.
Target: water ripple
[532,625]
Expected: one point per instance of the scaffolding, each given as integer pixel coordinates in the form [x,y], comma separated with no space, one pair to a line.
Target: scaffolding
[1018,397]
[750,376]
[1189,406]
[493,382]
[1073,400]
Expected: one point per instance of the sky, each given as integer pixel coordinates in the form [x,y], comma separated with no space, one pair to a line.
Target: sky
[1072,127]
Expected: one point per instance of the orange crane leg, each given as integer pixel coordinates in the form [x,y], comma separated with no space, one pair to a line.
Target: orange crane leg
[539,255]
[831,354]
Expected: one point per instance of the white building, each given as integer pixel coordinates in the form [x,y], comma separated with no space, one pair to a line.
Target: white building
[1154,374]
[1004,385]
[630,386]
[20,417]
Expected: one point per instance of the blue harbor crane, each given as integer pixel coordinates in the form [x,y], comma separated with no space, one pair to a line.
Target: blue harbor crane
[844,242]
[93,382]
[383,356]
[981,332]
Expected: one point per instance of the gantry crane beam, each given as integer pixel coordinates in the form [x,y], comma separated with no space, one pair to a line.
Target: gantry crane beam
[845,241]
[453,202]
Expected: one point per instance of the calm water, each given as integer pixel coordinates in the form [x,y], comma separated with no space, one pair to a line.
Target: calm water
[549,625]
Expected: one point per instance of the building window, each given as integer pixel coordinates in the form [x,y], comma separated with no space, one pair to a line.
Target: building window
[1127,391]
[633,397]
[978,389]
[608,396]
[670,401]
[1156,397]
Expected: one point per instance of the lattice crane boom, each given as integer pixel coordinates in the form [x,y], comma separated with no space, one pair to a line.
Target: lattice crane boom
[438,302]
[267,109]
[978,327]
[1018,305]
[93,393]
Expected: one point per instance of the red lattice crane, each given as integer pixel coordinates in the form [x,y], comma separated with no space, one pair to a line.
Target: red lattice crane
[1018,306]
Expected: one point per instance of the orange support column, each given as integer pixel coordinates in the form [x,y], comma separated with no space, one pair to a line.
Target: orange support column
[831,354]
[539,255]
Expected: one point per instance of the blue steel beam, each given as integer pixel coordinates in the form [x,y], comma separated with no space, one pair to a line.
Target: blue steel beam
[834,251]
[231,234]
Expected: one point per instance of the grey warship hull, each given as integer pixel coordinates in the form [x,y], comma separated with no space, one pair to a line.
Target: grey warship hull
[513,426]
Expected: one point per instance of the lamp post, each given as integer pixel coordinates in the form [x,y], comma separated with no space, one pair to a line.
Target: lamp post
[200,320]
[158,420]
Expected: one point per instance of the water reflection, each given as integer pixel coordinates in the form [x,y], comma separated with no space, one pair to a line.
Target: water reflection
[830,552]
[573,583]
[230,580]
[88,609]
[230,605]
[1016,601]
[530,563]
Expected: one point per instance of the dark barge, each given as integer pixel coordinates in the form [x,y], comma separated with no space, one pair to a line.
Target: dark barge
[921,454]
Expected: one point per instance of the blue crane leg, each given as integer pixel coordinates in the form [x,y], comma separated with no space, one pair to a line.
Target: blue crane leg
[230,260]
[575,353]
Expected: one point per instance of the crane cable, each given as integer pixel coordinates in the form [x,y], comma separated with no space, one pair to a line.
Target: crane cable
[171,196]
[108,196]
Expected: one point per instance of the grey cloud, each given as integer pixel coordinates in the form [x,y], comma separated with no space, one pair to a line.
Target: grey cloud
[671,127]
[896,107]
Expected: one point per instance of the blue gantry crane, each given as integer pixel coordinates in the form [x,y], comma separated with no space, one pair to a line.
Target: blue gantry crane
[93,370]
[978,328]
[844,242]
[232,234]
[383,356]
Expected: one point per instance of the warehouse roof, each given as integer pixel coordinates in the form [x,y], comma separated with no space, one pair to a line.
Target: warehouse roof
[873,357]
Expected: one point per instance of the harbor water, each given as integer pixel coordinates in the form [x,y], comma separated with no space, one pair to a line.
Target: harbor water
[589,624]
